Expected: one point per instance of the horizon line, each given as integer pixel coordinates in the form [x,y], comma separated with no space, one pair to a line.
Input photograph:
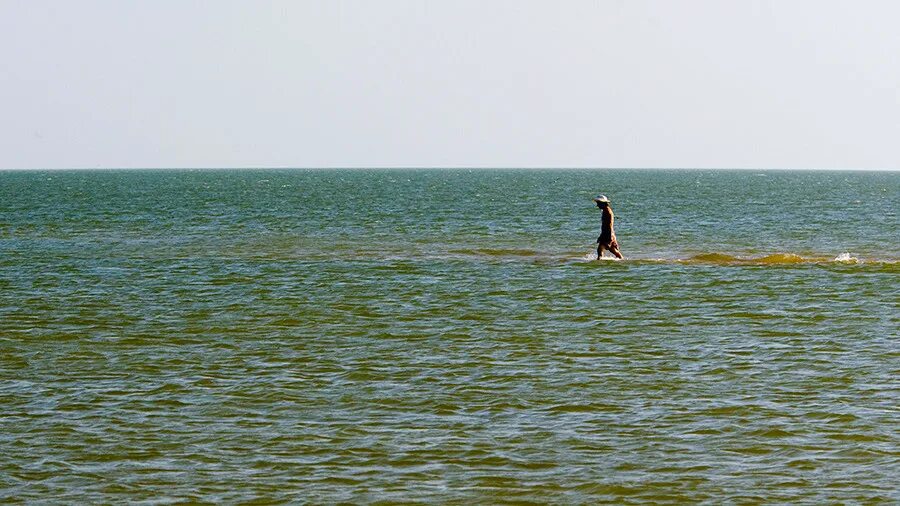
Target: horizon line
[446,167]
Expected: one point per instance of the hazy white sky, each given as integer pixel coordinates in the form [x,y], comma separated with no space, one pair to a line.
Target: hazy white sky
[600,83]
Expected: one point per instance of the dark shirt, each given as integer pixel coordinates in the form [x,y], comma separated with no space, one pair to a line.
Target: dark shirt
[607,235]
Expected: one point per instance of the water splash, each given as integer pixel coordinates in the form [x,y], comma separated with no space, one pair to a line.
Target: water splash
[846,258]
[590,257]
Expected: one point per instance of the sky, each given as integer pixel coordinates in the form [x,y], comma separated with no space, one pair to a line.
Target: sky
[450,83]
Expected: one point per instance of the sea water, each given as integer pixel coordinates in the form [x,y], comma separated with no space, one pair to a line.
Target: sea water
[446,336]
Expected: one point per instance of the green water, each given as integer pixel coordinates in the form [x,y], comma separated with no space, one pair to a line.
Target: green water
[444,337]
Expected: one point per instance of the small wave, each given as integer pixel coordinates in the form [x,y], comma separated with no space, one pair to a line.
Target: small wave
[772,259]
[775,258]
[496,252]
[714,258]
[710,258]
[784,258]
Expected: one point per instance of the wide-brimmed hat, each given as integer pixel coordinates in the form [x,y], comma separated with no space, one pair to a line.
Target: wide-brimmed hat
[601,198]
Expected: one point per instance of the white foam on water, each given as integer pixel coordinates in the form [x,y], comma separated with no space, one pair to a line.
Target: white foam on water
[845,257]
[590,257]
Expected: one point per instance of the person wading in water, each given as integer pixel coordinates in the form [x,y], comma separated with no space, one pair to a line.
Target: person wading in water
[607,239]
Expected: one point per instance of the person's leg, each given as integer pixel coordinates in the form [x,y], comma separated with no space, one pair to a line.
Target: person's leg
[615,251]
[599,251]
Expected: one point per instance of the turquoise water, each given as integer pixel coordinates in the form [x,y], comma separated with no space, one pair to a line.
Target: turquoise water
[445,337]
